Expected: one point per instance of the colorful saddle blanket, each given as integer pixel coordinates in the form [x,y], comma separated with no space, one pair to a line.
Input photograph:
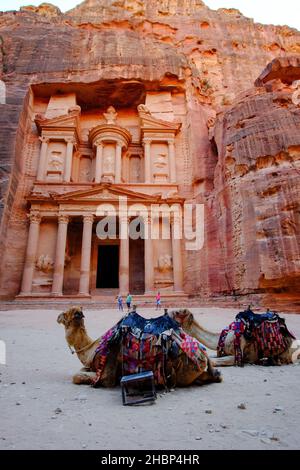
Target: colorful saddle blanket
[268,331]
[141,350]
[238,328]
[143,354]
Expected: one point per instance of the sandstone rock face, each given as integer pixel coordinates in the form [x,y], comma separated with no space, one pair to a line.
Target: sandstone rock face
[256,210]
[245,168]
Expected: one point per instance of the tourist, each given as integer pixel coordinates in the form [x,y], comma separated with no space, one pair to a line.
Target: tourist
[128,301]
[158,301]
[120,302]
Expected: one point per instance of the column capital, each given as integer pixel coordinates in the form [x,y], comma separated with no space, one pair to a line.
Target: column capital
[34,217]
[147,141]
[88,218]
[44,139]
[63,219]
[171,141]
[70,140]
[99,143]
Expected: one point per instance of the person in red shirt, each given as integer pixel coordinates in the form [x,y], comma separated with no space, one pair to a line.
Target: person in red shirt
[158,301]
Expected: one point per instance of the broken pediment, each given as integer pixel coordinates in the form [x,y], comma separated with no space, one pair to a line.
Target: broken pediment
[151,124]
[68,121]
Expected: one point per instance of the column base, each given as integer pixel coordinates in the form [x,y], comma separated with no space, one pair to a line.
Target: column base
[25,294]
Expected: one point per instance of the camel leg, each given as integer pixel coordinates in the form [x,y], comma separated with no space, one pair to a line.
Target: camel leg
[211,375]
[223,361]
[84,377]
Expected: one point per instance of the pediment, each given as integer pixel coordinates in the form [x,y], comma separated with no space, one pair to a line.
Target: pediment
[104,193]
[152,124]
[70,120]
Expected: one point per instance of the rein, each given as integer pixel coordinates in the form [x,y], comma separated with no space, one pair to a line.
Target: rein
[74,351]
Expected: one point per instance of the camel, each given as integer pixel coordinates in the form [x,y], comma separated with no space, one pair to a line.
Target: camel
[182,369]
[250,356]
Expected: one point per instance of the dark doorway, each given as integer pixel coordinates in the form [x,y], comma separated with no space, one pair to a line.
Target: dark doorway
[136,266]
[108,267]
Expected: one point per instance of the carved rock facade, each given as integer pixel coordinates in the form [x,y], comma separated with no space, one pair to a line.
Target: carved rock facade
[153,101]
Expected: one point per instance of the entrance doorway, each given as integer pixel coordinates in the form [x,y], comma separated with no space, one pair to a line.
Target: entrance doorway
[108,267]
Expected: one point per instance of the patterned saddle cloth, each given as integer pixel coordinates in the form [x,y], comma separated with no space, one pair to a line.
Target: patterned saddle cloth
[147,345]
[268,331]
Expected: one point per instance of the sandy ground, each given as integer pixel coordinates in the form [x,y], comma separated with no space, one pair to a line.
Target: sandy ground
[36,382]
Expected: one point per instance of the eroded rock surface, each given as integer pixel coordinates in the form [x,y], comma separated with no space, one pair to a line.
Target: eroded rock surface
[241,148]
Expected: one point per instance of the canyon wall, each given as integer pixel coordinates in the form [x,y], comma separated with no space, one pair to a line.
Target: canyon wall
[242,153]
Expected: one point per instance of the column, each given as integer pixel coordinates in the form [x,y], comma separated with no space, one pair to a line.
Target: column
[177,255]
[31,252]
[43,158]
[69,158]
[124,256]
[59,266]
[149,268]
[99,159]
[147,156]
[84,284]
[172,161]
[118,174]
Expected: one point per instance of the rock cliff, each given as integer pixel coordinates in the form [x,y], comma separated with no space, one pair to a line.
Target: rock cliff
[244,138]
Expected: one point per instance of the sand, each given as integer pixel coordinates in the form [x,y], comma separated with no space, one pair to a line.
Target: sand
[40,408]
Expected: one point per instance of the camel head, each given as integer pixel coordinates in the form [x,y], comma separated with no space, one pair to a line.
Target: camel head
[183,316]
[71,318]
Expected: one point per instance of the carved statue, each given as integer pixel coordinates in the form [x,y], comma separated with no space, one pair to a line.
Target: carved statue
[108,166]
[111,115]
[56,161]
[44,264]
[142,109]
[161,160]
[164,263]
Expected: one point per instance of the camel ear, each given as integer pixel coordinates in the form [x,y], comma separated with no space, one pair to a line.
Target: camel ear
[61,318]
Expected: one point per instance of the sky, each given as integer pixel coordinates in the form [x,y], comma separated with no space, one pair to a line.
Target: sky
[277,12]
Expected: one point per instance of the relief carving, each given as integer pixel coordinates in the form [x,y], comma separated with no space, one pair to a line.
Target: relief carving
[108,165]
[45,264]
[161,160]
[142,109]
[56,161]
[165,263]
[111,115]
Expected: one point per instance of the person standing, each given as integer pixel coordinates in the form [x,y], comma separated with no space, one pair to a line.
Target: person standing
[128,301]
[120,303]
[158,301]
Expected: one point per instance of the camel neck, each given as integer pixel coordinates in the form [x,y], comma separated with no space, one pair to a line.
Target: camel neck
[78,338]
[209,339]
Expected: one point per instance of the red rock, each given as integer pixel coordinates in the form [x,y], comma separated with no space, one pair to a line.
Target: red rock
[245,168]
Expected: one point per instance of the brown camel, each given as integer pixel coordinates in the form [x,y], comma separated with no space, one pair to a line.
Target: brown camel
[250,356]
[183,370]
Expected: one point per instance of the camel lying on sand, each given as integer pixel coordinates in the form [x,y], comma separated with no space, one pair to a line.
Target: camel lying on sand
[184,372]
[248,348]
